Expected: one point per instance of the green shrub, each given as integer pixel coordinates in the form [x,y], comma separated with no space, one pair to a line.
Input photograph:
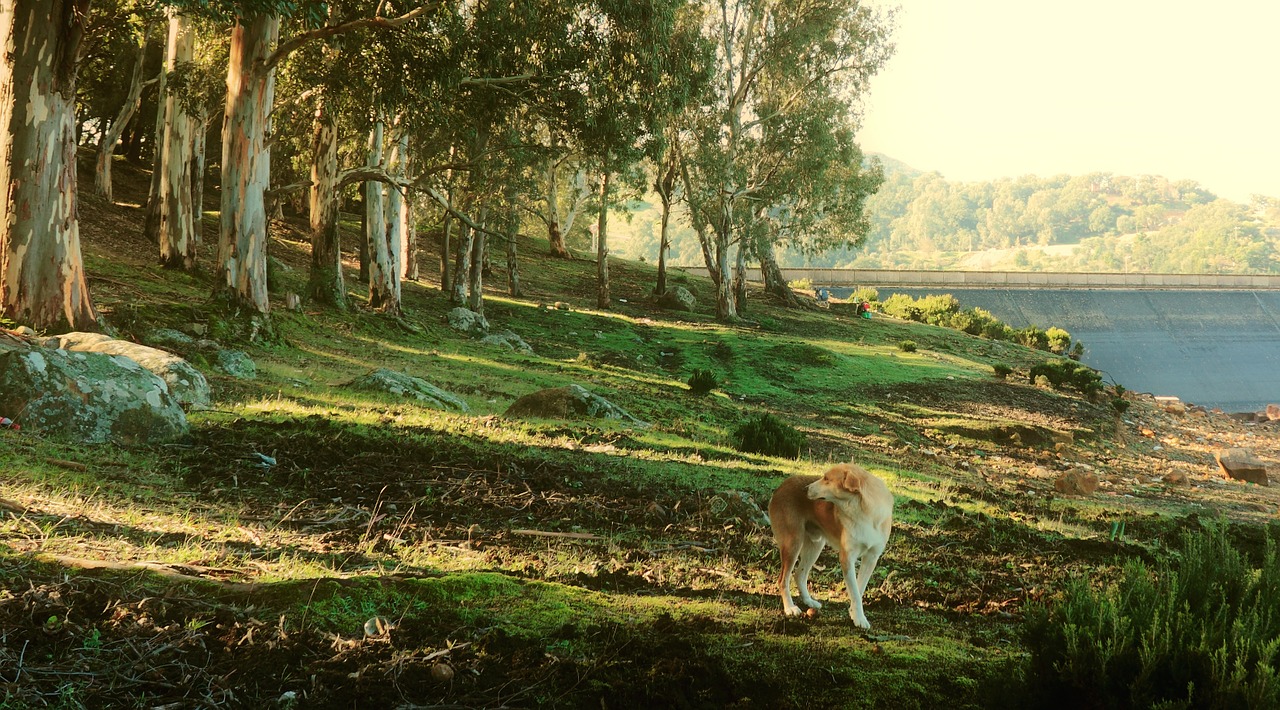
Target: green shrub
[766,434]
[801,284]
[1063,373]
[866,293]
[907,346]
[1059,340]
[937,309]
[1033,337]
[1002,370]
[1077,350]
[900,305]
[702,382]
[1198,630]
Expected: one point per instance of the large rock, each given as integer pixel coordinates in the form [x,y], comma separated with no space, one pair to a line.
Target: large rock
[509,340]
[402,385]
[568,403]
[678,298]
[1076,482]
[1242,465]
[236,363]
[88,397]
[186,384]
[469,322]
[1273,412]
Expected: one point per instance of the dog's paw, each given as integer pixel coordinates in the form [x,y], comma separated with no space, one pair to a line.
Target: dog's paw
[812,603]
[792,610]
[861,623]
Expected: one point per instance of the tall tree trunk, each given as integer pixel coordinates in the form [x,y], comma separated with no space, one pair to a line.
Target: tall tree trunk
[410,257]
[325,283]
[462,263]
[177,214]
[555,236]
[111,136]
[664,244]
[364,236]
[42,281]
[774,282]
[513,228]
[740,279]
[197,174]
[151,226]
[246,165]
[382,296]
[397,215]
[479,245]
[602,244]
[446,229]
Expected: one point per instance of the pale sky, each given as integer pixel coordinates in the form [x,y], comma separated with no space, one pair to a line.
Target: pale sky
[982,89]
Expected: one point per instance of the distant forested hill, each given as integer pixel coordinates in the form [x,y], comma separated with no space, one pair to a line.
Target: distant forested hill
[1095,222]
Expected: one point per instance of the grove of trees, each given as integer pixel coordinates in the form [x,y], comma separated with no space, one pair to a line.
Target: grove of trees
[468,121]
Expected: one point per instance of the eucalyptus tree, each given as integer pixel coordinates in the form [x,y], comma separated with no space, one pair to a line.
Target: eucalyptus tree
[773,57]
[254,55]
[42,280]
[625,100]
[139,33]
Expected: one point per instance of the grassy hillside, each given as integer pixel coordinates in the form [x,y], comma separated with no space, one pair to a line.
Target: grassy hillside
[399,556]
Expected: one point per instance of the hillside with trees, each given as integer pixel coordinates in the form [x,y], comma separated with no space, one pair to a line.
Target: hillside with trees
[1095,222]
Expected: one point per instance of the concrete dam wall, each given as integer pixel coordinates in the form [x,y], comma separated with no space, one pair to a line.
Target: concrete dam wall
[1215,348]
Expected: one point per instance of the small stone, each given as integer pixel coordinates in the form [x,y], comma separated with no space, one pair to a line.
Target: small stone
[441,673]
[1076,482]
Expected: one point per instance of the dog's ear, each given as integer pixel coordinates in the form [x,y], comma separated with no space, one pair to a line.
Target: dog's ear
[852,481]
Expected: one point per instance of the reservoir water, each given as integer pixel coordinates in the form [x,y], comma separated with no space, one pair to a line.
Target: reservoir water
[1214,348]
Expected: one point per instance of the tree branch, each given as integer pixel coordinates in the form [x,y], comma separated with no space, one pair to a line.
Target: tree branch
[294,43]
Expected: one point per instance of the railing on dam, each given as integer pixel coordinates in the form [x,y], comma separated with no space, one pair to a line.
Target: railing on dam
[1017,279]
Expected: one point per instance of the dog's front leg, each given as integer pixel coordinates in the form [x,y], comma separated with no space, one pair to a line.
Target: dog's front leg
[847,562]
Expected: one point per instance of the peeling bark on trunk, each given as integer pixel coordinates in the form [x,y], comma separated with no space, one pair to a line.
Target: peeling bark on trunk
[177,213]
[602,245]
[246,165]
[197,175]
[397,216]
[111,136]
[462,264]
[740,279]
[446,285]
[42,281]
[410,257]
[774,282]
[382,281]
[325,283]
[726,306]
[479,245]
[555,237]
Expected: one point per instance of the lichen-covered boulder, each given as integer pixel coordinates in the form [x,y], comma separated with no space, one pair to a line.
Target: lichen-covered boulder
[89,397]
[509,340]
[570,402]
[402,385]
[469,322]
[237,364]
[186,384]
[678,298]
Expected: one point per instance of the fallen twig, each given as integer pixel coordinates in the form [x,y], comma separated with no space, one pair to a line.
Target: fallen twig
[571,535]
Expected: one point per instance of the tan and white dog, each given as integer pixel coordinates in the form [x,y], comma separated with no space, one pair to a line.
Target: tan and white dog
[848,508]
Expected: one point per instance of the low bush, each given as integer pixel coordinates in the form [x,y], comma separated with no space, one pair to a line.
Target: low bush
[1198,630]
[764,433]
[900,305]
[1002,370]
[907,346]
[1063,373]
[944,310]
[801,284]
[866,293]
[1059,340]
[701,382]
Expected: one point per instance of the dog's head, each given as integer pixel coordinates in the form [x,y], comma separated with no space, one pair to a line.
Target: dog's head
[842,482]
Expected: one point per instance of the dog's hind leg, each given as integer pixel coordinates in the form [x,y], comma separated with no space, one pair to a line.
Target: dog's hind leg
[809,551]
